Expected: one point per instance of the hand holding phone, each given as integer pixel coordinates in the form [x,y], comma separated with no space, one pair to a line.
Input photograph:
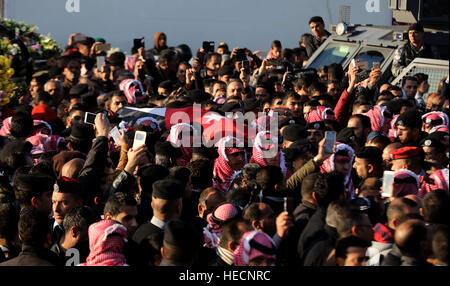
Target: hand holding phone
[139,43]
[103,47]
[376,65]
[288,205]
[89,118]
[115,134]
[246,66]
[100,62]
[330,141]
[208,46]
[139,139]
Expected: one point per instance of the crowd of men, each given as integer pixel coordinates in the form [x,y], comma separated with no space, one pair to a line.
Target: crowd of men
[72,195]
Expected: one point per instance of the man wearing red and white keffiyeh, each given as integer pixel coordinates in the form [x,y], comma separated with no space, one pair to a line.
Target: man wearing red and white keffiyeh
[264,149]
[106,242]
[176,138]
[341,161]
[231,160]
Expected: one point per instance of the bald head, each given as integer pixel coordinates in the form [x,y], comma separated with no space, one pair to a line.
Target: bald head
[411,237]
[72,168]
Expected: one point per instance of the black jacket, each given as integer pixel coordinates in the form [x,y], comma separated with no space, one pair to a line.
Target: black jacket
[405,54]
[313,44]
[319,252]
[312,232]
[31,257]
[142,237]
[393,258]
[218,261]
[93,170]
[412,261]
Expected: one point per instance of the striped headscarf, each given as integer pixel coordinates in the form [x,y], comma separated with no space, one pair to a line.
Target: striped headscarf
[439,180]
[221,214]
[320,114]
[176,138]
[377,117]
[328,166]
[254,244]
[106,242]
[129,87]
[260,148]
[223,174]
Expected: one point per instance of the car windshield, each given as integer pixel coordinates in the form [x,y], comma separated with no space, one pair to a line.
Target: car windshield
[372,54]
[334,53]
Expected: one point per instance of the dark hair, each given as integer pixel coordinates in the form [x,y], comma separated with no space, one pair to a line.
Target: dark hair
[316,19]
[414,234]
[116,202]
[308,185]
[345,243]
[336,72]
[21,124]
[181,174]
[165,56]
[253,212]
[43,169]
[146,179]
[372,155]
[395,105]
[269,176]
[435,206]
[27,187]
[9,219]
[231,233]
[33,227]
[440,243]
[304,37]
[209,57]
[328,187]
[317,87]
[81,217]
[205,193]
[404,79]
[276,44]
[421,77]
[201,173]
[365,120]
[383,140]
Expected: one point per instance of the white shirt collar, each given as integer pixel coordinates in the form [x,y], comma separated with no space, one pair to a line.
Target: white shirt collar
[157,222]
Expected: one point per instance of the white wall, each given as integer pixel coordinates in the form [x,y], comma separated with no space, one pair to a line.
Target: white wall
[250,23]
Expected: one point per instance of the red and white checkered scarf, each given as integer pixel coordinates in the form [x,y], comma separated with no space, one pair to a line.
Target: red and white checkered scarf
[261,149]
[245,253]
[319,114]
[328,167]
[213,230]
[223,173]
[440,178]
[393,132]
[377,118]
[434,115]
[106,241]
[129,88]
[176,138]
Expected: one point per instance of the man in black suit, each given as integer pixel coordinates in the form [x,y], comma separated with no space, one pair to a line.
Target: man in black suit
[181,244]
[167,205]
[33,233]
